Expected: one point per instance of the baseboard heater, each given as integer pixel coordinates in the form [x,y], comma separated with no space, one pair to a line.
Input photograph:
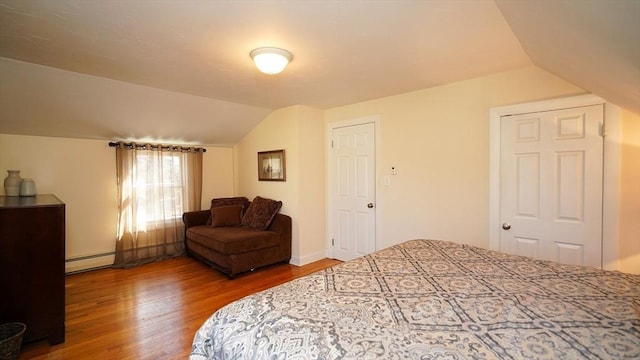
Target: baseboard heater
[89,262]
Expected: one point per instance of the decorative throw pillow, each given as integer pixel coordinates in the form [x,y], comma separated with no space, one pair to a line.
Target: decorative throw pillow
[260,213]
[230,215]
[241,200]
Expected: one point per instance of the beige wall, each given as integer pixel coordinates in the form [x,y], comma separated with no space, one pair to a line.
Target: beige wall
[629,205]
[82,174]
[79,172]
[54,102]
[438,140]
[311,188]
[299,131]
[217,174]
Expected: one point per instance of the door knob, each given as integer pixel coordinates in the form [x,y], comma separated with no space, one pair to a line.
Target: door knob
[370,205]
[506,226]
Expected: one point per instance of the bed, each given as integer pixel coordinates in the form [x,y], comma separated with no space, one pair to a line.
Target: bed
[430,299]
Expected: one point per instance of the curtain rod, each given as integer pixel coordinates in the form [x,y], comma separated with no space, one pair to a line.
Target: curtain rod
[131,145]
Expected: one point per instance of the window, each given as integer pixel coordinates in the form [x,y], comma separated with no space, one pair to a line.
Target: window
[152,180]
[156,185]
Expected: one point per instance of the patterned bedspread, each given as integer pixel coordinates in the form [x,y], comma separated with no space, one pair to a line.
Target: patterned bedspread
[427,299]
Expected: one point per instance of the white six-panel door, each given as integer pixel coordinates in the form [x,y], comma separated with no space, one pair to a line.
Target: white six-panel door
[551,185]
[353,191]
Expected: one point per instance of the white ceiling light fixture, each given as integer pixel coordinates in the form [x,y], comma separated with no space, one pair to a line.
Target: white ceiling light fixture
[271,60]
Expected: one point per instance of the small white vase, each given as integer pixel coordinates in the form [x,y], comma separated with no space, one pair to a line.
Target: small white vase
[12,183]
[28,187]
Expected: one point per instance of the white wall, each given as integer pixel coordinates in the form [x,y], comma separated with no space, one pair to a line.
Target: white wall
[82,174]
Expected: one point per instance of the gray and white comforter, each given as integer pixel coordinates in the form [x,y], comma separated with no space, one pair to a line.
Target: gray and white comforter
[427,299]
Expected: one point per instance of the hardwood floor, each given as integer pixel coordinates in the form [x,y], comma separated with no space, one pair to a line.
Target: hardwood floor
[152,311]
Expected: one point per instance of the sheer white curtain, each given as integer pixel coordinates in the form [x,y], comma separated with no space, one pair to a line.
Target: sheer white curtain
[156,185]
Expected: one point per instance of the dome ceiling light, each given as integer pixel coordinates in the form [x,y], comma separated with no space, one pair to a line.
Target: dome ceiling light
[271,60]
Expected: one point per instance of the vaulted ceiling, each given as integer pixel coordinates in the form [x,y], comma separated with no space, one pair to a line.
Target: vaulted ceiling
[344,52]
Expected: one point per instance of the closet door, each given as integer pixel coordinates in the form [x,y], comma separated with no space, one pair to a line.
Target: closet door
[551,185]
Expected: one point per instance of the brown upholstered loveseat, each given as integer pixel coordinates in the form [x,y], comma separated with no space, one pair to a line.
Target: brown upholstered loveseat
[232,247]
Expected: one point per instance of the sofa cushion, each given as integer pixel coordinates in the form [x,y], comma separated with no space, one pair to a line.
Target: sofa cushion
[230,215]
[232,240]
[240,200]
[260,213]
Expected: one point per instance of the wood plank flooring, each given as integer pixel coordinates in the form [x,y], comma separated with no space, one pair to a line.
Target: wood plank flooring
[152,311]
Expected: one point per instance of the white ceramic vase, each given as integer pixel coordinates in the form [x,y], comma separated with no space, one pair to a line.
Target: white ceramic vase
[12,183]
[28,187]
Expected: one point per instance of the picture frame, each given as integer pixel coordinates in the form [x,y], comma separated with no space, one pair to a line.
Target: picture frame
[272,166]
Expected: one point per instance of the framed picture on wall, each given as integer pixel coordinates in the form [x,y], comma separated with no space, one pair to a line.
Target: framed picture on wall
[271,166]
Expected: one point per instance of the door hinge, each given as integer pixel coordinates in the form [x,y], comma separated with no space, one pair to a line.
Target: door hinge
[603,130]
[333,242]
[332,144]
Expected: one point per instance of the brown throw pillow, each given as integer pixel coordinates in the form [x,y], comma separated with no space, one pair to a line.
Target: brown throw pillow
[240,200]
[230,215]
[260,213]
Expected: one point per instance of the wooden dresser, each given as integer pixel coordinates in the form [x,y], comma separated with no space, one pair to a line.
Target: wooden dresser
[32,252]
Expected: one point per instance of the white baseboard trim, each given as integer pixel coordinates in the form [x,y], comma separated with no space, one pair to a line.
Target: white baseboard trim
[308,259]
